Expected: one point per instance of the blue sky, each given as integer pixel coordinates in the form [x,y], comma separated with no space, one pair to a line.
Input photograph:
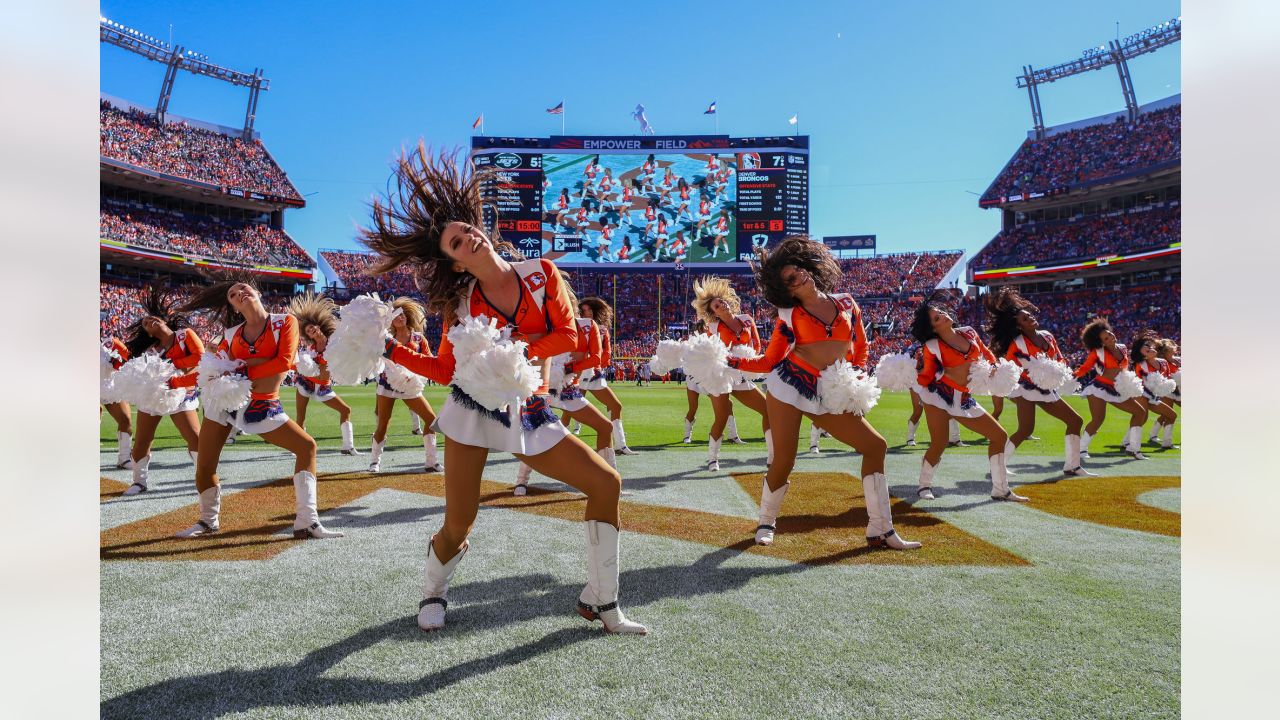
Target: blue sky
[909,105]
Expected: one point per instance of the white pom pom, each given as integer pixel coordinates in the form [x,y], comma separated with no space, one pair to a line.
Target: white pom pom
[1159,385]
[1072,387]
[587,374]
[705,360]
[144,383]
[403,380]
[492,371]
[980,377]
[845,389]
[557,377]
[1177,378]
[1128,385]
[105,368]
[1048,374]
[669,356]
[356,347]
[1005,378]
[107,393]
[222,388]
[306,364]
[745,351]
[896,372]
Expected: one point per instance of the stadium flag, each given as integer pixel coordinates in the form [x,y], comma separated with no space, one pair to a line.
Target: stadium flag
[558,110]
[795,119]
[712,109]
[479,123]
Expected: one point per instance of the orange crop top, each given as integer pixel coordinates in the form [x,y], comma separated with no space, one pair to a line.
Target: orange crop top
[544,307]
[938,355]
[796,327]
[120,349]
[1108,360]
[606,348]
[747,336]
[589,343]
[1144,368]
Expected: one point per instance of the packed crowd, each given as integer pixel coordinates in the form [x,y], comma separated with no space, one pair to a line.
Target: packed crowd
[120,304]
[243,243]
[1090,154]
[352,267]
[1087,238]
[135,137]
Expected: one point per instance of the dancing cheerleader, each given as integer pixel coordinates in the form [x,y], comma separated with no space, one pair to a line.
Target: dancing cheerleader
[434,220]
[264,345]
[1016,335]
[693,393]
[584,359]
[1145,356]
[814,330]
[942,384]
[406,327]
[317,316]
[717,305]
[1105,360]
[165,331]
[1168,351]
[118,409]
[599,311]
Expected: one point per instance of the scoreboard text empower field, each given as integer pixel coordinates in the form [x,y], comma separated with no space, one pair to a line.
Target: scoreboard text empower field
[649,199]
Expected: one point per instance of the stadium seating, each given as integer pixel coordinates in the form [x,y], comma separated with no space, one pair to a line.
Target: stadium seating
[198,236]
[1083,238]
[135,137]
[1090,155]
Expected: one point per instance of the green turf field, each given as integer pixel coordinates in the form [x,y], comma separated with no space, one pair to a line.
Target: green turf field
[1066,607]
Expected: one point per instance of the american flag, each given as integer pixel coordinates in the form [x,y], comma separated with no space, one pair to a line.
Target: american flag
[479,121]
[711,110]
[557,110]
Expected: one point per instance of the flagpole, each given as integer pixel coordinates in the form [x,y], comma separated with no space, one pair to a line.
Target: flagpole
[562,117]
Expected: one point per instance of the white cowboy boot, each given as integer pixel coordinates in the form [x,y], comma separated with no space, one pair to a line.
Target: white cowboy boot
[124,450]
[609,457]
[435,587]
[348,438]
[1166,441]
[306,524]
[1009,449]
[911,432]
[432,462]
[522,479]
[770,506]
[731,431]
[210,504]
[713,454]
[417,424]
[880,532]
[925,490]
[1000,481]
[1085,439]
[375,456]
[768,448]
[140,468]
[599,599]
[620,439]
[688,432]
[1071,463]
[815,438]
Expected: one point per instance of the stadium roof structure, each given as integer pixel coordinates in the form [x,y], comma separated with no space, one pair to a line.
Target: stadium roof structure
[177,58]
[1115,52]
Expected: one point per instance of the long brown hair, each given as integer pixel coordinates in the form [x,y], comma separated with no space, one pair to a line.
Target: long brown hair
[429,192]
[600,311]
[313,309]
[710,287]
[1002,308]
[155,304]
[213,297]
[802,252]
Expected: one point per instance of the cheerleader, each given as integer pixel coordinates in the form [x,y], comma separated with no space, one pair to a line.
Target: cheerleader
[717,305]
[693,393]
[917,405]
[406,327]
[1105,360]
[118,409]
[1168,351]
[814,329]
[433,220]
[265,344]
[583,360]
[948,352]
[1145,356]
[164,331]
[721,236]
[597,310]
[1016,335]
[317,317]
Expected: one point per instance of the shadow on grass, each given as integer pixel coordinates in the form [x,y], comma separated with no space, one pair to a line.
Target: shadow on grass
[475,607]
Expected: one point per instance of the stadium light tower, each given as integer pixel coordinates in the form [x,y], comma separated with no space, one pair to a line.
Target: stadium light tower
[176,58]
[1115,52]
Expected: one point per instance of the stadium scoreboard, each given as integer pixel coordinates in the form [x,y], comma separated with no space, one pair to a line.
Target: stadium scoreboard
[645,199]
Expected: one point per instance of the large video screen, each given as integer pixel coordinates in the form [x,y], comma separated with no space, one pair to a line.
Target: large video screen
[652,199]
